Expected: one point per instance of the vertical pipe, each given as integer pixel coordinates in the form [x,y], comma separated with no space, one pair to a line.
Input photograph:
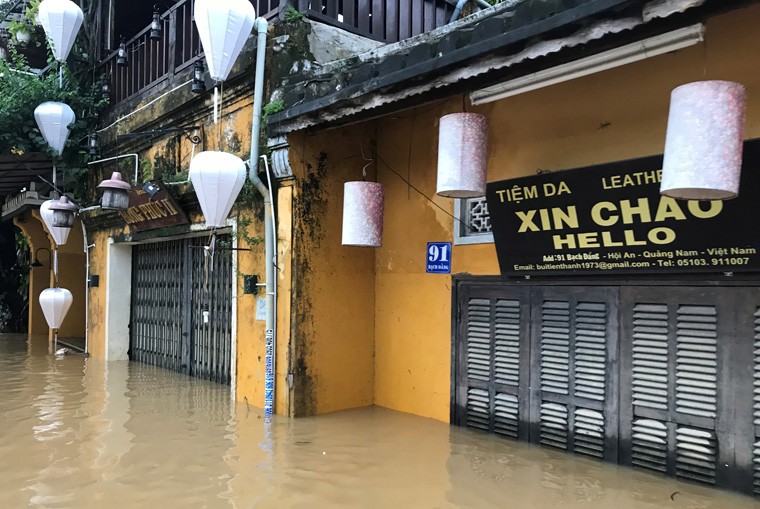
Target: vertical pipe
[269,232]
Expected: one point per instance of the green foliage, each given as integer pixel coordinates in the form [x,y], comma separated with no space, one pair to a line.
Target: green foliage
[243,223]
[21,92]
[271,109]
[292,14]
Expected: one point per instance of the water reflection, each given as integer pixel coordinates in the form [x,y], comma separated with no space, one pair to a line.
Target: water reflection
[80,433]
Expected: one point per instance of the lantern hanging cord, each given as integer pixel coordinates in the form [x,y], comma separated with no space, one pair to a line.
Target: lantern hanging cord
[369,162]
[467,226]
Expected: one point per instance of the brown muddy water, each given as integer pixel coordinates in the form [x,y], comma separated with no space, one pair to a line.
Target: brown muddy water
[81,433]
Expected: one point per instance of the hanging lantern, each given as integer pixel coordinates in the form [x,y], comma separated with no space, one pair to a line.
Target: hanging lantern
[61,20]
[63,213]
[462,155]
[121,54]
[704,141]
[105,91]
[223,27]
[217,178]
[115,193]
[155,24]
[53,120]
[93,144]
[199,85]
[363,204]
[55,303]
[60,235]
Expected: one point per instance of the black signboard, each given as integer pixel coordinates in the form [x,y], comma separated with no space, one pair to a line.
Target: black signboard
[611,219]
[150,211]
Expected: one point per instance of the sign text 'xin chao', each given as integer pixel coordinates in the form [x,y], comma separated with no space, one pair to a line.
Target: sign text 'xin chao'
[612,218]
[148,212]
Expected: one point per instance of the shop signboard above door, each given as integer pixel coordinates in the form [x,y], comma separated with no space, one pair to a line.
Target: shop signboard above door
[611,219]
[151,210]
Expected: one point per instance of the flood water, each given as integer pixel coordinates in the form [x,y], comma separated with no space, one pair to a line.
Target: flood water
[80,433]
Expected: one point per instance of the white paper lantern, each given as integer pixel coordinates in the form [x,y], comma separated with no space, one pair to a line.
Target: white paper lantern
[704,142]
[54,119]
[217,178]
[223,27]
[363,204]
[61,20]
[60,235]
[55,303]
[462,155]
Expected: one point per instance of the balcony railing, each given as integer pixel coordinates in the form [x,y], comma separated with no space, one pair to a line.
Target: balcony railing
[383,20]
[150,61]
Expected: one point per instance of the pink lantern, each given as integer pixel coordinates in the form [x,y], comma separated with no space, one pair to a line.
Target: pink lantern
[704,141]
[363,204]
[462,155]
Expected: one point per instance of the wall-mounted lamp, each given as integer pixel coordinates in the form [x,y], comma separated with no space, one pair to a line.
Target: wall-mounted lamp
[121,55]
[115,193]
[199,84]
[105,91]
[151,188]
[155,24]
[36,261]
[93,144]
[63,213]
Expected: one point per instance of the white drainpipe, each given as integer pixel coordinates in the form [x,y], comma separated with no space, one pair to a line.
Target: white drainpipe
[270,232]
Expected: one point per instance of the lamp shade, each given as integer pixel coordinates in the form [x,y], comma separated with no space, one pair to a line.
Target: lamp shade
[60,235]
[223,27]
[55,303]
[462,155]
[704,141]
[61,20]
[115,193]
[363,204]
[53,119]
[217,178]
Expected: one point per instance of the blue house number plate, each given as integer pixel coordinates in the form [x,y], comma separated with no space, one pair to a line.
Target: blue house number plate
[439,257]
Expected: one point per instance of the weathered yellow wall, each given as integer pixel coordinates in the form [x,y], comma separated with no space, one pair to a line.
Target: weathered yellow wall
[172,155]
[39,277]
[609,116]
[332,329]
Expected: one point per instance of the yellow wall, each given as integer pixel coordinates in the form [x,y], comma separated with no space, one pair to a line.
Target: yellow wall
[609,116]
[172,155]
[39,277]
[332,329]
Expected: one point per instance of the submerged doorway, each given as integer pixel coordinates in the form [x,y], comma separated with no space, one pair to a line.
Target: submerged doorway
[656,377]
[181,312]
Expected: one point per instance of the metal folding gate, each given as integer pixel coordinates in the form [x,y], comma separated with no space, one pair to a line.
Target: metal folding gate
[660,378]
[181,313]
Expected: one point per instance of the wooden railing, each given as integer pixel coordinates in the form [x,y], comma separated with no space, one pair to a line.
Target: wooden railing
[383,20]
[149,61]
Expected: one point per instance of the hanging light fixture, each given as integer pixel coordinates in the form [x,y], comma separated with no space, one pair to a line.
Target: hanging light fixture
[63,213]
[223,27]
[105,91]
[61,20]
[217,178]
[363,204]
[55,303]
[115,193]
[93,144]
[704,141]
[155,24]
[199,84]
[462,155]
[121,55]
[53,120]
[60,235]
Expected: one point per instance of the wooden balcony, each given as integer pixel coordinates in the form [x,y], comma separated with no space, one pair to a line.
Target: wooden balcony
[151,61]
